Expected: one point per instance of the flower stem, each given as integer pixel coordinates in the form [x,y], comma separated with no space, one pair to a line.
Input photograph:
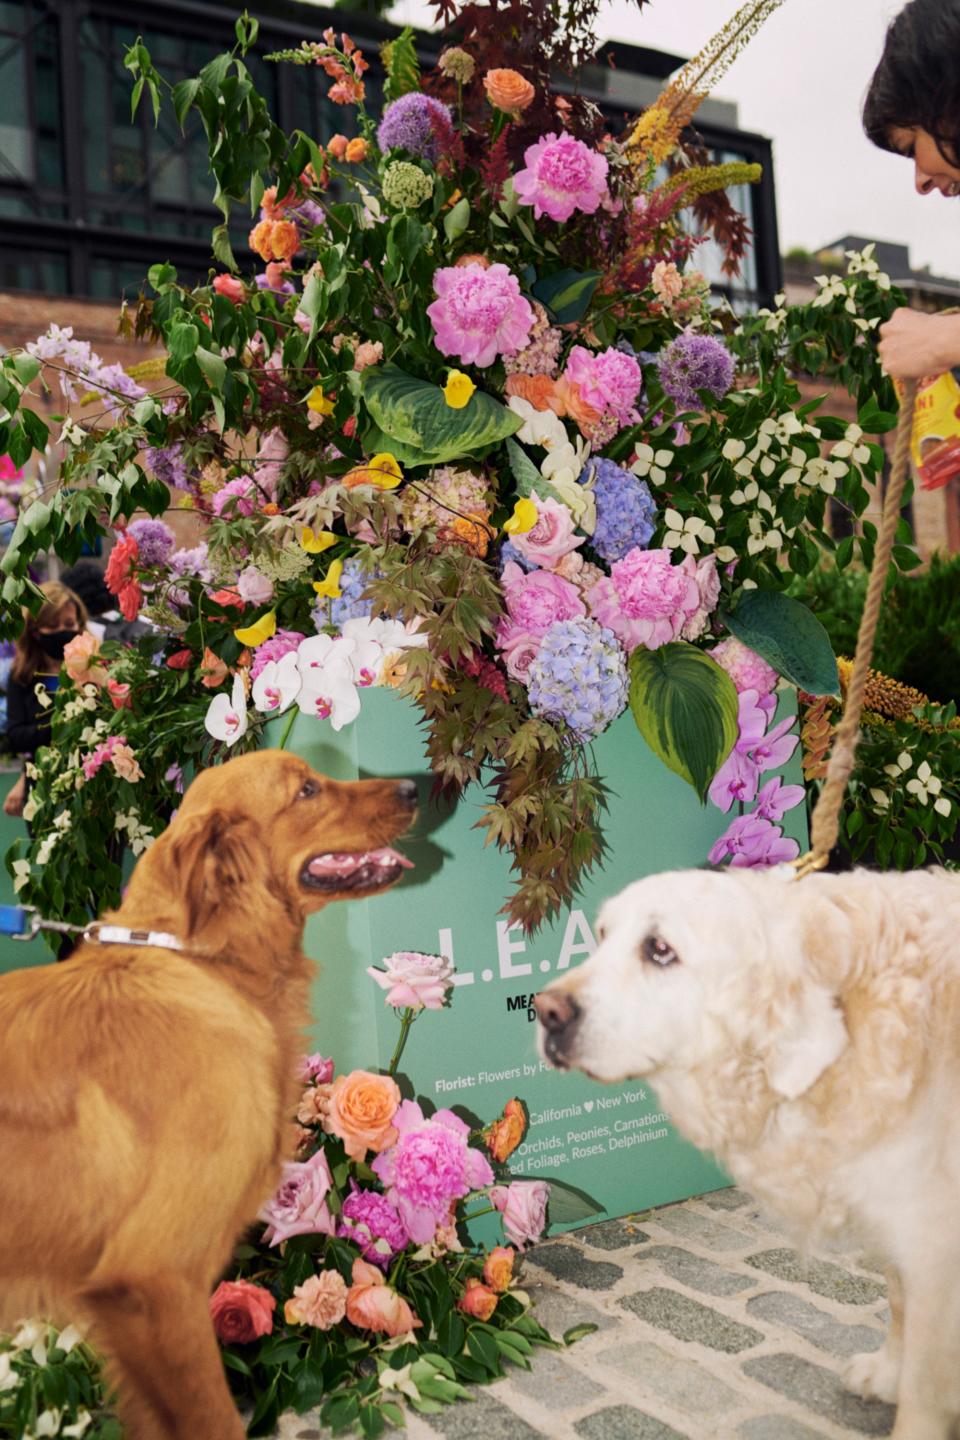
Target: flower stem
[406,1020]
[487,1210]
[287,728]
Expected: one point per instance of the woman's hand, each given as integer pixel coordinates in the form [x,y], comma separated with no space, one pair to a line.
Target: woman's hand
[913,344]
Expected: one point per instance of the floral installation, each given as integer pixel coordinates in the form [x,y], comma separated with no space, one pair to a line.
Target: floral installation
[472,432]
[360,1291]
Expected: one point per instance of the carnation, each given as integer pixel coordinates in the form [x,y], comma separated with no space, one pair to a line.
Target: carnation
[275,648]
[579,676]
[646,600]
[405,186]
[408,124]
[370,1221]
[626,513]
[479,313]
[692,363]
[561,175]
[746,668]
[237,497]
[429,1168]
[608,381]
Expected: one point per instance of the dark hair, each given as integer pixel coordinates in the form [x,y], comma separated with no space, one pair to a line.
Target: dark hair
[917,83]
[28,654]
[86,580]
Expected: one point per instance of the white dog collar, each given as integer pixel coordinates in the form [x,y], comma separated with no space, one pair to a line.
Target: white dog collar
[121,935]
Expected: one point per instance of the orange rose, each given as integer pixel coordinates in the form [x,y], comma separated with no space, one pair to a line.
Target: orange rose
[477,1300]
[504,1135]
[78,658]
[337,146]
[362,1107]
[498,1268]
[356,151]
[538,390]
[583,415]
[508,91]
[275,239]
[373,1305]
[480,260]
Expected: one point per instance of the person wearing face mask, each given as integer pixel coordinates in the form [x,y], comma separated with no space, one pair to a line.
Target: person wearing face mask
[38,655]
[913,109]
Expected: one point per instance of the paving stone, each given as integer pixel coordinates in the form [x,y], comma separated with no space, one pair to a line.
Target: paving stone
[679,1380]
[694,1271]
[555,1383]
[821,1391]
[815,1325]
[484,1419]
[614,1234]
[822,1276]
[731,1199]
[568,1262]
[557,1312]
[689,1320]
[691,1225]
[624,1422]
[777,1427]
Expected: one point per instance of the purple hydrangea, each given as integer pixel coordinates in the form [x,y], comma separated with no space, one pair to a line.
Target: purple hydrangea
[692,363]
[191,562]
[275,648]
[626,513]
[155,541]
[168,465]
[349,605]
[307,214]
[407,124]
[370,1221]
[579,675]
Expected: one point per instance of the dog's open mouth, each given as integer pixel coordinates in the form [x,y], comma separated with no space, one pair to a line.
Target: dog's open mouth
[354,871]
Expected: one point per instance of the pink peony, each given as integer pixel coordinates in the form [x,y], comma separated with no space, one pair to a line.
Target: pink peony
[551,538]
[746,668]
[479,313]
[608,381]
[536,600]
[321,1301]
[704,572]
[414,981]
[561,175]
[429,1168]
[523,1206]
[299,1206]
[647,600]
[372,1304]
[237,497]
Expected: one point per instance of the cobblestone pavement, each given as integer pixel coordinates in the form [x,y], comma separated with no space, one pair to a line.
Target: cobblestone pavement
[710,1327]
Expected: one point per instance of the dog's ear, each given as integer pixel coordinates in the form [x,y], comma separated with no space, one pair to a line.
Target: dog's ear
[213,855]
[812,1037]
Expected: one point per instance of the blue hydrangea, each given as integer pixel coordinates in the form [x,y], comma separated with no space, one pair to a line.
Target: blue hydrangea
[509,551]
[407,124]
[353,581]
[579,675]
[692,363]
[626,513]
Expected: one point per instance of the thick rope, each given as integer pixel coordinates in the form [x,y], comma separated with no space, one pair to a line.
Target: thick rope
[825,825]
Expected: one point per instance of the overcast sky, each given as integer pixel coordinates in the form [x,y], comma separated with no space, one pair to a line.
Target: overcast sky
[801,82]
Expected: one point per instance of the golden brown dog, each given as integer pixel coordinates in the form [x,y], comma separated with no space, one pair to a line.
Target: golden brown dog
[145,1093]
[807,1032]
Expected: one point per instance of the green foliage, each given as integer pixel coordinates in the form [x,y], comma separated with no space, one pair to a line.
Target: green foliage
[54,1375]
[788,636]
[685,707]
[401,64]
[413,420]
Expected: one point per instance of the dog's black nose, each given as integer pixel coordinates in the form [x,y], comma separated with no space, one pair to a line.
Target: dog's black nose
[556,1010]
[407,793]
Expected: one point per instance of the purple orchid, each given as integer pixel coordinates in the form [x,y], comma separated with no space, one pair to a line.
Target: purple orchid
[751,841]
[775,799]
[755,752]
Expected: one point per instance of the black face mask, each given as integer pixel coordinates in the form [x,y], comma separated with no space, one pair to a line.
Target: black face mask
[55,644]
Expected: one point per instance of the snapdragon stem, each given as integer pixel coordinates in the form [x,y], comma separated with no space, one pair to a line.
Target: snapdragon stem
[406,1020]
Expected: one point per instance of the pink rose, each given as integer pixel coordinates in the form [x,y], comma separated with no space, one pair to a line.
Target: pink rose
[477,1301]
[551,538]
[119,695]
[315,1067]
[374,1305]
[241,1312]
[647,599]
[414,981]
[704,572]
[321,1301]
[255,587]
[523,1206]
[536,600]
[230,287]
[299,1206]
[79,657]
[519,650]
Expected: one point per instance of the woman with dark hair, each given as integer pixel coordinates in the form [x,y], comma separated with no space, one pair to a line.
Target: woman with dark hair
[913,109]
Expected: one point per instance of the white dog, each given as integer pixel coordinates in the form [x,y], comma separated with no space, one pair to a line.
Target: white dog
[808,1033]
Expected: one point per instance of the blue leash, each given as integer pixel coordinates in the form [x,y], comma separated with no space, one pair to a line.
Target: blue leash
[21,922]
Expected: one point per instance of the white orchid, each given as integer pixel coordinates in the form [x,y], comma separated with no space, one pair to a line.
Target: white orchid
[277,685]
[686,534]
[329,687]
[226,717]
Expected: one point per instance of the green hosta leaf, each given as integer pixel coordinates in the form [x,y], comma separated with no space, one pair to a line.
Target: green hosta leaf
[411,416]
[685,707]
[456,220]
[789,637]
[524,471]
[568,1204]
[567,293]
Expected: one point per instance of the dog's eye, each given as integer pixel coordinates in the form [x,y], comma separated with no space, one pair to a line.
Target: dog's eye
[658,952]
[308,788]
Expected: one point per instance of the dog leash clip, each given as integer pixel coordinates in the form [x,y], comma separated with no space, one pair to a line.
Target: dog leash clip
[23,922]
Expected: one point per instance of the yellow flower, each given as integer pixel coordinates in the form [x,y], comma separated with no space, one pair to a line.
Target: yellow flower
[318,402]
[524,518]
[383,470]
[259,631]
[316,542]
[458,389]
[330,585]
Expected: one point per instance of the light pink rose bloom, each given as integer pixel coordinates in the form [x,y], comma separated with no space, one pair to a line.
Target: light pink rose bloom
[230,287]
[414,981]
[519,649]
[368,352]
[551,538]
[372,1304]
[315,1067]
[272,450]
[523,1207]
[255,587]
[704,572]
[299,1206]
[647,600]
[536,600]
[125,763]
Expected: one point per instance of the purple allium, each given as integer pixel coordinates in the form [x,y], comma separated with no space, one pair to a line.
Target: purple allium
[155,541]
[191,562]
[626,513]
[275,648]
[751,841]
[579,676]
[168,465]
[407,124]
[692,363]
[370,1221]
[429,1168]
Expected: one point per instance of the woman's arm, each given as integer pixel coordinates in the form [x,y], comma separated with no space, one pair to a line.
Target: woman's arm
[913,344]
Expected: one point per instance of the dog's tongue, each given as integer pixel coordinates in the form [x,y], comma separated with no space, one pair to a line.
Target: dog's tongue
[344,862]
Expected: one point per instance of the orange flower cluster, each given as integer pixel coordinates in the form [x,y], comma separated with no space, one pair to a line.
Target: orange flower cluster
[505,1134]
[275,239]
[348,87]
[561,396]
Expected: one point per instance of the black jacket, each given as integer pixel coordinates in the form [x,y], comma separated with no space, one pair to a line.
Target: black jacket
[28,724]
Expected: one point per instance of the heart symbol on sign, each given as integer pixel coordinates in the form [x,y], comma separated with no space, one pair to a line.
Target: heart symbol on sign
[588,1105]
